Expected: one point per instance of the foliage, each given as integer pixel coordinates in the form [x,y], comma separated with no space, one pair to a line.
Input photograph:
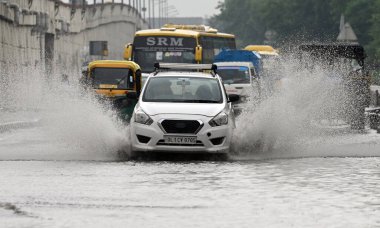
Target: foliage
[301,20]
[374,45]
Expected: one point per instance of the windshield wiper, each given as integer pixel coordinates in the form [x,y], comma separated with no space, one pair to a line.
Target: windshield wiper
[200,101]
[182,101]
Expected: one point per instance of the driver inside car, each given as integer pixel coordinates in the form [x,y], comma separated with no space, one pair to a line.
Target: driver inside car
[162,90]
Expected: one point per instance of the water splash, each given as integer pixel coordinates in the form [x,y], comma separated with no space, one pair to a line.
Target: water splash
[68,123]
[305,116]
[72,123]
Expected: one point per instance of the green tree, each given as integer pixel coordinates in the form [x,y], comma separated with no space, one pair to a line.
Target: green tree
[239,17]
[374,46]
[359,14]
[299,20]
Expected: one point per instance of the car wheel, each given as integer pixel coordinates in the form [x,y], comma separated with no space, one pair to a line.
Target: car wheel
[122,155]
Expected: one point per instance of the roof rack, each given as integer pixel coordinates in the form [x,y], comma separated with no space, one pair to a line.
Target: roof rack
[185,67]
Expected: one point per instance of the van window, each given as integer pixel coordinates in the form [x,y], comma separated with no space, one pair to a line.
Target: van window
[234,74]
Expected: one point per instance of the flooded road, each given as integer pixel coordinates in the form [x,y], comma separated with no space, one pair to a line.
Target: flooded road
[59,165]
[313,192]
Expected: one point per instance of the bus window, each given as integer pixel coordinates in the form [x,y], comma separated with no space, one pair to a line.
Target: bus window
[207,48]
[213,45]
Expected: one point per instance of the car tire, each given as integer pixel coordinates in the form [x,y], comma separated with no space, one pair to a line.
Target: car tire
[122,155]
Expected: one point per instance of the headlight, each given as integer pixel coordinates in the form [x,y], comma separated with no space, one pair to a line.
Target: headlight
[143,118]
[219,120]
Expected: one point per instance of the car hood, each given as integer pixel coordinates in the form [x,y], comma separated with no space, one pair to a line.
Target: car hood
[204,109]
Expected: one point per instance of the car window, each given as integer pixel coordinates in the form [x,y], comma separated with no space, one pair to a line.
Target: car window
[183,89]
[234,74]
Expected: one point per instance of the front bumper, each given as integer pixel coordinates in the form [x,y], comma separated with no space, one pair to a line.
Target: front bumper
[208,138]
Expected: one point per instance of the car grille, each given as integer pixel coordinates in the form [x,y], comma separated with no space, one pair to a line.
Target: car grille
[162,143]
[181,126]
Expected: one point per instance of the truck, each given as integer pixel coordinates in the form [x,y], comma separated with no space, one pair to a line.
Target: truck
[229,55]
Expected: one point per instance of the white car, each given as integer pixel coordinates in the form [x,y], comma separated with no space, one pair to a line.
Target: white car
[240,78]
[183,112]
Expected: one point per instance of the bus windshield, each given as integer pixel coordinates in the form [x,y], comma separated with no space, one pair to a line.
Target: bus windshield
[116,78]
[151,49]
[146,59]
[234,75]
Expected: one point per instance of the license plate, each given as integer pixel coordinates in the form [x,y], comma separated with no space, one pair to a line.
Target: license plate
[107,86]
[180,139]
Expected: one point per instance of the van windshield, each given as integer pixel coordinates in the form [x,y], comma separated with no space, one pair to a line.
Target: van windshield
[183,90]
[115,78]
[234,74]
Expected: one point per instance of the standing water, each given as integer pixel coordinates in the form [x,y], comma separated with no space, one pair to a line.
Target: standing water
[58,147]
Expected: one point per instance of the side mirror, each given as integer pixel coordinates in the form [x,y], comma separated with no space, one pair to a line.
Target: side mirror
[132,95]
[198,53]
[233,97]
[127,55]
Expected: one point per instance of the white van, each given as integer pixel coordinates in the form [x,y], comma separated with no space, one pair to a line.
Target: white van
[240,78]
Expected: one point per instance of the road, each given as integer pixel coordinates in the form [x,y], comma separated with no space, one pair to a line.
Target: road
[318,192]
[71,177]
[59,167]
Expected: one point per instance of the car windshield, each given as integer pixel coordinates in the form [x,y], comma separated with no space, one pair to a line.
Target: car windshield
[234,74]
[116,78]
[183,90]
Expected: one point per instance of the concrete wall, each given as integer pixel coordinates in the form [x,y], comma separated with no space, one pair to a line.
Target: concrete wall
[47,33]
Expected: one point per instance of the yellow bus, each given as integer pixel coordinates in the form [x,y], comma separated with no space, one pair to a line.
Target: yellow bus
[177,44]
[265,50]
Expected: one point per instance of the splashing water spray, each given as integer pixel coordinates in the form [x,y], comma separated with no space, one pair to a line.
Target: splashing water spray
[72,123]
[293,119]
[304,115]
